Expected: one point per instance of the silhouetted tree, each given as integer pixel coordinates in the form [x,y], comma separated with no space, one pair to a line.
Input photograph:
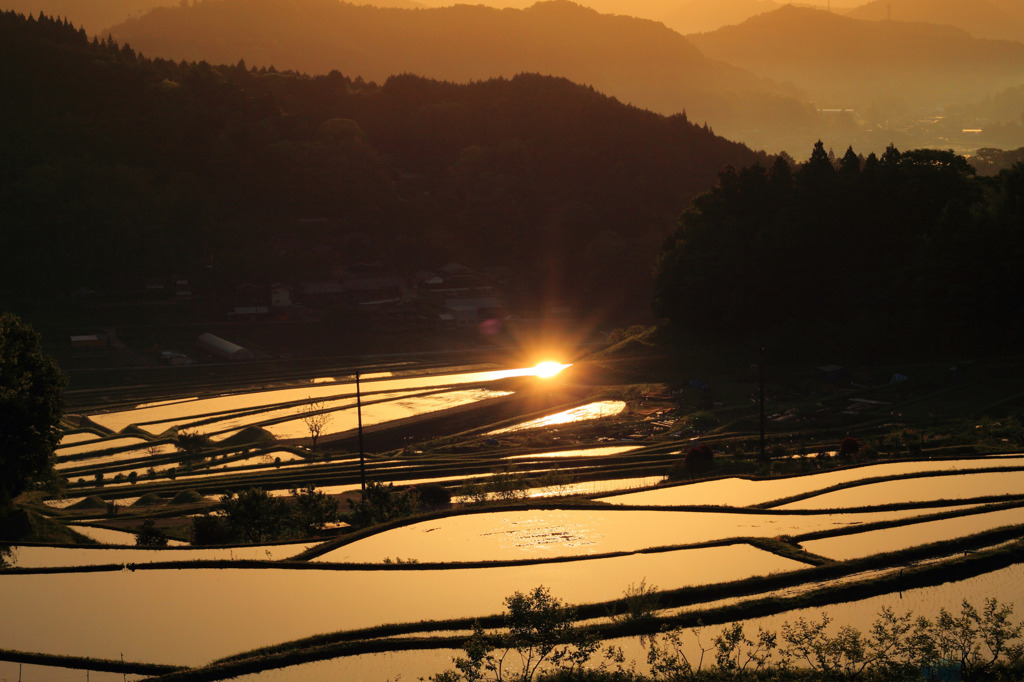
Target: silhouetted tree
[31,386]
[253,515]
[148,535]
[312,510]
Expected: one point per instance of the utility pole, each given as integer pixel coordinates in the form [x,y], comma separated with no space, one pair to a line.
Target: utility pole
[362,454]
[760,383]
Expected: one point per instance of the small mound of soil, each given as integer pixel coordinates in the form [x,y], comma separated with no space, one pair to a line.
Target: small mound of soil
[247,436]
[91,502]
[187,497]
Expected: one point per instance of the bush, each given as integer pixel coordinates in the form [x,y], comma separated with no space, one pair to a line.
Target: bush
[210,529]
[433,496]
[148,535]
[254,516]
[849,448]
[312,510]
[540,629]
[381,503]
[699,458]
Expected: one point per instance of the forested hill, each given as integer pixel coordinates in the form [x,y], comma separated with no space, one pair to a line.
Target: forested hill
[117,168]
[635,60]
[910,252]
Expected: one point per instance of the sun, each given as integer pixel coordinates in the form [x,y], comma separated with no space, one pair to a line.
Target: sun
[548,369]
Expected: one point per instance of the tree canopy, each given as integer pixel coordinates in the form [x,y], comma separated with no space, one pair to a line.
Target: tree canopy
[269,176]
[868,252]
[31,388]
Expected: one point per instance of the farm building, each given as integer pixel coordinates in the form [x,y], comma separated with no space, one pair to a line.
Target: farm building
[223,348]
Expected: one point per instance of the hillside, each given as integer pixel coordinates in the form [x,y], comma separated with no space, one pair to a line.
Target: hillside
[170,167]
[637,61]
[980,18]
[844,62]
[700,16]
[94,17]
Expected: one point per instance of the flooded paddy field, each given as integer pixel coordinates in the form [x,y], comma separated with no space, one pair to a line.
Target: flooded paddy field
[518,534]
[243,609]
[573,522]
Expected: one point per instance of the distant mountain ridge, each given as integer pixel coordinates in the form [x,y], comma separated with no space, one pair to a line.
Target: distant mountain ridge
[460,42]
[635,60]
[700,16]
[1000,19]
[854,62]
[94,16]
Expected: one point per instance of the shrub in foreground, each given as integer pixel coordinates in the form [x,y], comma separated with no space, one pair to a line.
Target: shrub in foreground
[542,641]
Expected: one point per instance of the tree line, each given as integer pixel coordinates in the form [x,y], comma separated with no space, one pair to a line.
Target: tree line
[871,254]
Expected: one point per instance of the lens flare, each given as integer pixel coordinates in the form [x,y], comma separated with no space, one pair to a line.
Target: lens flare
[548,369]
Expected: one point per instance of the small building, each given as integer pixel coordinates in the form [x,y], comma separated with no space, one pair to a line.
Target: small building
[223,348]
[250,311]
[89,341]
[375,289]
[322,291]
[173,357]
[470,312]
[280,296]
[833,374]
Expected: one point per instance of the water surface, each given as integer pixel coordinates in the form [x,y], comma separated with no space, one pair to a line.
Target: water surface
[211,613]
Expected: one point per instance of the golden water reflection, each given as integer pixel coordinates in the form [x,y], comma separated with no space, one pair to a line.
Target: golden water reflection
[211,613]
[547,533]
[605,408]
[739,492]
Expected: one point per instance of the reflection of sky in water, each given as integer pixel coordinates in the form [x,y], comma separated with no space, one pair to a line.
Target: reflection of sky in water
[94,445]
[574,532]
[186,410]
[605,408]
[145,451]
[1003,584]
[901,537]
[72,438]
[36,556]
[585,452]
[376,408]
[952,487]
[379,413]
[209,613]
[738,492]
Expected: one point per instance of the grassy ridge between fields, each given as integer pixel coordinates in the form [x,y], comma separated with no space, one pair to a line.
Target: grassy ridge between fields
[85,663]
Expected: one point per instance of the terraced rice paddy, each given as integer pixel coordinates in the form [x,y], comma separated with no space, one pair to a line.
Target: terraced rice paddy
[280,410]
[714,534]
[512,535]
[605,408]
[33,556]
[918,489]
[744,492]
[307,602]
[867,543]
